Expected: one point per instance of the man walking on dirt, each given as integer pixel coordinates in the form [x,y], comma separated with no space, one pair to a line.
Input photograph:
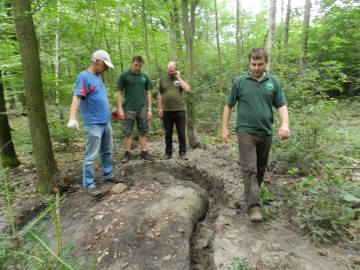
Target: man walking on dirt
[171,108]
[90,94]
[134,105]
[255,93]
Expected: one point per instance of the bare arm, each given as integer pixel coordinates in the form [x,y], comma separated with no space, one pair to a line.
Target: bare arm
[160,103]
[284,130]
[74,107]
[119,103]
[184,86]
[148,96]
[73,123]
[225,134]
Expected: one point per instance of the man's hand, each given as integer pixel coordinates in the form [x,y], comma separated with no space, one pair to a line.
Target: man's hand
[73,124]
[121,114]
[149,115]
[284,132]
[161,113]
[225,136]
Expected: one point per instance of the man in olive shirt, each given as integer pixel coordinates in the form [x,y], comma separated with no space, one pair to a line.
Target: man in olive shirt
[134,105]
[255,93]
[172,108]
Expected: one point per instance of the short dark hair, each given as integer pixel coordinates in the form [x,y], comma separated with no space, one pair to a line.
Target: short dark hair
[138,58]
[257,53]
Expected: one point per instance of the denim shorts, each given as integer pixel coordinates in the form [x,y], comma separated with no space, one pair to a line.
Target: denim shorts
[140,117]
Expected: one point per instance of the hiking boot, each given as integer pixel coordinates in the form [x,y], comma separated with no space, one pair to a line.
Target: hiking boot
[255,216]
[127,157]
[112,180]
[94,192]
[145,156]
[183,156]
[166,156]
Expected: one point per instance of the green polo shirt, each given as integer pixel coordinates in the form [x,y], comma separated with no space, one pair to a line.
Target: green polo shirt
[135,87]
[255,100]
[172,94]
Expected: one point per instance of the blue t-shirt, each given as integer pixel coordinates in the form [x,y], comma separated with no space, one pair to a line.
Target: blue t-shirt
[94,105]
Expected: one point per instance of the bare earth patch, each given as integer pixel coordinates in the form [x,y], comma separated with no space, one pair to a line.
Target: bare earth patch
[178,215]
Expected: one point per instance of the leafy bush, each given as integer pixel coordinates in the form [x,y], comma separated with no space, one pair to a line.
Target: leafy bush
[324,207]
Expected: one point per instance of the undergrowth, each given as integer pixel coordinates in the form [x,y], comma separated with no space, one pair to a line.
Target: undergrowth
[28,247]
[322,156]
[327,208]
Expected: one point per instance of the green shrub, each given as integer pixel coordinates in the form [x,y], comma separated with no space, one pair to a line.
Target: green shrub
[324,207]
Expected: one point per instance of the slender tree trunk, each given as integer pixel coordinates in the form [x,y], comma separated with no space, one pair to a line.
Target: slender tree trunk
[218,40]
[175,31]
[280,31]
[305,33]
[189,32]
[287,26]
[237,36]
[57,59]
[8,157]
[146,39]
[46,167]
[272,31]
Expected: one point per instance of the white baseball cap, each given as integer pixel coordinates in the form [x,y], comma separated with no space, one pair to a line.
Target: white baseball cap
[103,56]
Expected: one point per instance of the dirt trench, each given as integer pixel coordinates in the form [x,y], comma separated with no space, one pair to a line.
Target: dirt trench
[201,250]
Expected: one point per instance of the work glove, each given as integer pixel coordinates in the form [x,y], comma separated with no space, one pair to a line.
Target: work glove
[73,123]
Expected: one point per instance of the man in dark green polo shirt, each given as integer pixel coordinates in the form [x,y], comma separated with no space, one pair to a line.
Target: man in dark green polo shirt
[255,93]
[134,105]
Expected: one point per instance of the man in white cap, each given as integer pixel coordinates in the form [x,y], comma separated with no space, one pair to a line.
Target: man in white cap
[90,94]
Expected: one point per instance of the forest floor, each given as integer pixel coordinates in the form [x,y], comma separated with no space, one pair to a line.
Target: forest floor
[177,215]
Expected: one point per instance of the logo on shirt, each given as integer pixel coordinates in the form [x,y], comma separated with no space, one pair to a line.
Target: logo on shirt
[176,83]
[270,86]
[143,79]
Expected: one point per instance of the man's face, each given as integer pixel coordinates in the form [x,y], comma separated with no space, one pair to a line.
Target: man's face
[171,72]
[136,67]
[101,67]
[257,67]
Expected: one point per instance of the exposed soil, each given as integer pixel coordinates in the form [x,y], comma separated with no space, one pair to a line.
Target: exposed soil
[177,215]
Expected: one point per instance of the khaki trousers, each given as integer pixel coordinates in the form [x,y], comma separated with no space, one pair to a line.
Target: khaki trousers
[254,154]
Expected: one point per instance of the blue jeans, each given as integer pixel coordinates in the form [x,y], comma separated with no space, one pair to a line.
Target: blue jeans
[99,140]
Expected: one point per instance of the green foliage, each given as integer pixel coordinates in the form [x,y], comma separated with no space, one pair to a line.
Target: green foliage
[323,133]
[237,264]
[265,195]
[325,207]
[28,248]
[270,207]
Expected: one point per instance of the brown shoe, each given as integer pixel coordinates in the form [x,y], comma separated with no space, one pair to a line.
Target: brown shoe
[255,216]
[94,192]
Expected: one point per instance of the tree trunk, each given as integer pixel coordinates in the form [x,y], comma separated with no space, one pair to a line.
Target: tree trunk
[146,39]
[272,31]
[175,31]
[46,167]
[57,60]
[218,42]
[8,157]
[237,36]
[189,35]
[305,33]
[287,26]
